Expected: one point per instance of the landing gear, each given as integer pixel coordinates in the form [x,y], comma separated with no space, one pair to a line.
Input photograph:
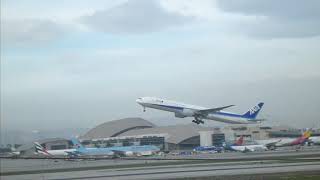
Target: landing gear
[144,109]
[198,120]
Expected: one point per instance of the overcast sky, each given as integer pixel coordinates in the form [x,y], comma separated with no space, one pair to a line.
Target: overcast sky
[79,63]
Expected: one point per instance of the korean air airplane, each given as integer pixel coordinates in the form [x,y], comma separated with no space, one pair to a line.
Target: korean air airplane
[110,151]
[199,113]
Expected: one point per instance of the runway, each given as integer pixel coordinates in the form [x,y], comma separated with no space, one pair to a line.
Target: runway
[167,172]
[202,165]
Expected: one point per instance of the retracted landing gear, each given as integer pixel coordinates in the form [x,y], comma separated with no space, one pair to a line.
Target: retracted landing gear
[198,120]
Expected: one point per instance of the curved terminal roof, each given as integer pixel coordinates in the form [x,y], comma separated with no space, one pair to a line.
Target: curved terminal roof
[175,134]
[117,128]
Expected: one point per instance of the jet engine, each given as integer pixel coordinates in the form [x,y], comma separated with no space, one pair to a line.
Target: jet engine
[184,113]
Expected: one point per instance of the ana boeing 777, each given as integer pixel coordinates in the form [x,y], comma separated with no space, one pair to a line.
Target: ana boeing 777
[199,113]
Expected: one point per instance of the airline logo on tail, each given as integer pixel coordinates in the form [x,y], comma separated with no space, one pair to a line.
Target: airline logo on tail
[306,134]
[254,109]
[253,112]
[302,139]
[239,142]
[40,149]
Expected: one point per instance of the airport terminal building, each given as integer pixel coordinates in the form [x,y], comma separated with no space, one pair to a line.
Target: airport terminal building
[137,131]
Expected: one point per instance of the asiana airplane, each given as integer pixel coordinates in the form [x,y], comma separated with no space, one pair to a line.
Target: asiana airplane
[199,113]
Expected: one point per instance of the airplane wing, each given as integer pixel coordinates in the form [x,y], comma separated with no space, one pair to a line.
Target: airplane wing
[207,111]
[272,145]
[120,153]
[73,154]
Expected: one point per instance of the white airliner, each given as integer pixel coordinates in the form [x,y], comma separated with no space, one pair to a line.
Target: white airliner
[182,110]
[249,148]
[39,149]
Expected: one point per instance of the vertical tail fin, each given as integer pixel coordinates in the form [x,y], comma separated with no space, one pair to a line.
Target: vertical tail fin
[306,134]
[253,112]
[239,142]
[39,149]
[77,144]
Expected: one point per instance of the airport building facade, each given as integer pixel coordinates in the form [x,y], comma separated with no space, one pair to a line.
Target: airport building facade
[137,131]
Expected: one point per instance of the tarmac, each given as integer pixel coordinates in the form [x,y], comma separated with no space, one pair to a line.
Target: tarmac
[166,167]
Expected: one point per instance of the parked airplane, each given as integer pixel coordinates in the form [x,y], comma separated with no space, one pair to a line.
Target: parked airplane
[209,148]
[314,140]
[182,110]
[239,142]
[280,142]
[62,152]
[249,148]
[116,150]
[300,140]
[239,146]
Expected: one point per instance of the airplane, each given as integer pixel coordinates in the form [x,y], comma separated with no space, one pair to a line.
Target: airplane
[208,148]
[239,146]
[300,140]
[269,143]
[273,143]
[117,150]
[314,140]
[83,151]
[39,149]
[226,146]
[182,110]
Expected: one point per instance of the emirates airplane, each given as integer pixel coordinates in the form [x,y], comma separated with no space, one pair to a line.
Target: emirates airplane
[199,113]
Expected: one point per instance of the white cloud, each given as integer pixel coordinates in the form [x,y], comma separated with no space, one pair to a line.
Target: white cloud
[134,17]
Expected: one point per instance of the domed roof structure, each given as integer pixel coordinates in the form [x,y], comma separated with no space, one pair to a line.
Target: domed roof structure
[176,133]
[117,128]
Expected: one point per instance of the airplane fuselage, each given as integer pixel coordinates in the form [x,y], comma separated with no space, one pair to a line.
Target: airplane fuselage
[126,150]
[250,148]
[182,110]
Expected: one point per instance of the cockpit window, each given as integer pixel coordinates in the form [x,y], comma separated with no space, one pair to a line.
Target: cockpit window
[159,100]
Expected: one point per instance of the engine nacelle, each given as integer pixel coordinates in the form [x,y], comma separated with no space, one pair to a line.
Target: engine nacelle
[185,113]
[179,115]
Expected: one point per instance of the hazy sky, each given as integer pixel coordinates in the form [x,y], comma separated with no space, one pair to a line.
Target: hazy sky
[79,63]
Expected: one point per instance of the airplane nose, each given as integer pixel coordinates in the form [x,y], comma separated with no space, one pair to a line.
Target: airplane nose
[139,100]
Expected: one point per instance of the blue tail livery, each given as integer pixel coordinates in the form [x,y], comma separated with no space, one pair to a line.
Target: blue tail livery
[77,144]
[253,112]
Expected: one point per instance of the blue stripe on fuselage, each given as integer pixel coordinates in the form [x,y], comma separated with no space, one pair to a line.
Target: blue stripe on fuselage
[228,114]
[173,107]
[218,113]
